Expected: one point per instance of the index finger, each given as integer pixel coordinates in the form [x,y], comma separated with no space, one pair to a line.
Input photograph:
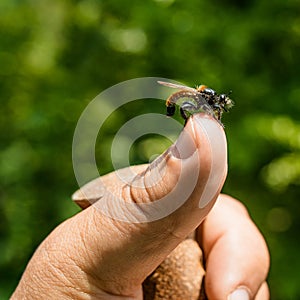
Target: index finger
[236,253]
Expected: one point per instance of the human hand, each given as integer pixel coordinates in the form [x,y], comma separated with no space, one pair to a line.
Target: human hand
[93,256]
[237,257]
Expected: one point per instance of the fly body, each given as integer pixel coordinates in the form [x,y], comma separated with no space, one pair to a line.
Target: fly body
[193,100]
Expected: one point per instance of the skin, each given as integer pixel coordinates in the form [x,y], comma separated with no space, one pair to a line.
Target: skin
[93,256]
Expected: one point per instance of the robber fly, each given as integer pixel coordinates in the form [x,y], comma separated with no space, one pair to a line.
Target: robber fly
[200,99]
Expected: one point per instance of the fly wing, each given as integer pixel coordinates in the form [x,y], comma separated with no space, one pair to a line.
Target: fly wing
[200,103]
[178,86]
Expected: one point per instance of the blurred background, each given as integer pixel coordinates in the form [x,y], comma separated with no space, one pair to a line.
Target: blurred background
[56,56]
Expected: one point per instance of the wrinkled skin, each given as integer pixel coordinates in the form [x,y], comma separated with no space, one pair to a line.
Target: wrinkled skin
[92,256]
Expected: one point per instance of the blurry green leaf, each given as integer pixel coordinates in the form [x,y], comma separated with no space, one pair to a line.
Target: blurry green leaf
[56,56]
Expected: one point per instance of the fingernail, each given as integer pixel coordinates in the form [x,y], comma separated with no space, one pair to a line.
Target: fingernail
[215,150]
[239,294]
[185,145]
[201,119]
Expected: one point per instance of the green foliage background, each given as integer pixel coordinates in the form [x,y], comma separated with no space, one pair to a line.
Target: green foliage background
[55,56]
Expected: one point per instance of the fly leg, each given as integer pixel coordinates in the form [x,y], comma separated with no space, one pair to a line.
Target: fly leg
[187,109]
[218,111]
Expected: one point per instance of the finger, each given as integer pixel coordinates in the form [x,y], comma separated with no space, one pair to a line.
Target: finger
[237,261]
[111,247]
[159,207]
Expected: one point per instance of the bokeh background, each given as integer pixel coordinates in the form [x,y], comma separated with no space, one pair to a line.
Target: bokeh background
[56,56]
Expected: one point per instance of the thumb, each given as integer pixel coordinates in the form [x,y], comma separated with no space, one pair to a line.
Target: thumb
[140,214]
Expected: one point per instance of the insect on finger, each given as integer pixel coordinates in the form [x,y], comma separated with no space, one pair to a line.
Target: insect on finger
[200,99]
